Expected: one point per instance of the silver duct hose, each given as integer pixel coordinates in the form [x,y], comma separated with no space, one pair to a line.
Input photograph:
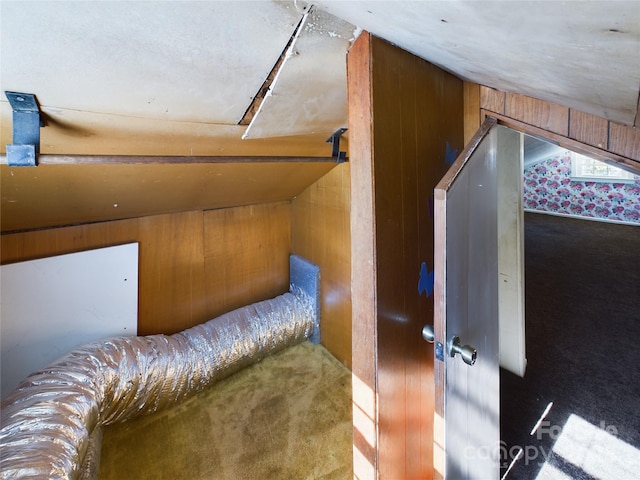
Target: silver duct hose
[52,423]
[91,463]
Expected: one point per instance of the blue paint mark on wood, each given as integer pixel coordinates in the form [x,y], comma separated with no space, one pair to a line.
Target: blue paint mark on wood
[425,284]
[450,155]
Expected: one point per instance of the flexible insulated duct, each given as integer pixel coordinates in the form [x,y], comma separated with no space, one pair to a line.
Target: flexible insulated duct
[52,423]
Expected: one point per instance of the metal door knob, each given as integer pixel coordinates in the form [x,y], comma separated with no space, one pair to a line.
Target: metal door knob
[467,352]
[428,334]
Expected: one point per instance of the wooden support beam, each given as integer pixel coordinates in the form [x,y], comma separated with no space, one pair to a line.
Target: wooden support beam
[153,159]
[406,125]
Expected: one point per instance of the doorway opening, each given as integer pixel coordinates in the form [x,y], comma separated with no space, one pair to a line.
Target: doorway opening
[574,413]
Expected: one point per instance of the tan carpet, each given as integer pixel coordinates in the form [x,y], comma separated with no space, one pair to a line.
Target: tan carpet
[287,417]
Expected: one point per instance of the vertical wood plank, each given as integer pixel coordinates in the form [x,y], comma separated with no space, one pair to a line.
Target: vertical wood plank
[412,199]
[389,163]
[418,125]
[491,99]
[471,93]
[589,129]
[363,256]
[171,271]
[445,118]
[320,232]
[624,140]
[407,166]
[549,116]
[246,255]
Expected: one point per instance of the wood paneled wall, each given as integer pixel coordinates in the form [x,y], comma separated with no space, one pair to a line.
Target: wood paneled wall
[568,127]
[51,195]
[405,123]
[321,233]
[171,293]
[246,255]
[194,266]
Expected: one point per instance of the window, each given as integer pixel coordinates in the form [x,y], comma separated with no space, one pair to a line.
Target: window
[587,169]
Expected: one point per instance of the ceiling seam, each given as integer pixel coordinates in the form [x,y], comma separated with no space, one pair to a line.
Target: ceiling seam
[54,110]
[257,100]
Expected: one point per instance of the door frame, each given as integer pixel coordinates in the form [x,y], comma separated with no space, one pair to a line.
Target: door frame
[560,140]
[489,119]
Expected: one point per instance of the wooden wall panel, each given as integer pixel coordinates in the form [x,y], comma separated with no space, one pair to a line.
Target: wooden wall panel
[19,247]
[624,140]
[59,195]
[388,164]
[197,265]
[363,260]
[320,233]
[569,128]
[246,255]
[170,270]
[193,265]
[417,113]
[539,113]
[589,129]
[171,292]
[491,99]
[472,102]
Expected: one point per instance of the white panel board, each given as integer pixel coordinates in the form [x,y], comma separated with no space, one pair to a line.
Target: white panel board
[52,305]
[309,93]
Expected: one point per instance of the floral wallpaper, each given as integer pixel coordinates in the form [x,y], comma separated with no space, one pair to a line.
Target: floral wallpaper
[548,187]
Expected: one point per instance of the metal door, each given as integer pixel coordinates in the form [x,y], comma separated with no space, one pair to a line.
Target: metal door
[467,408]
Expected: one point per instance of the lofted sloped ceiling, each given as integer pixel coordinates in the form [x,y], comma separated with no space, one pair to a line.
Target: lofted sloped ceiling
[263,78]
[198,62]
[179,77]
[580,54]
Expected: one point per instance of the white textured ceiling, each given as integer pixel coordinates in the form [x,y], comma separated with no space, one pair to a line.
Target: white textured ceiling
[184,61]
[306,97]
[581,54]
[202,62]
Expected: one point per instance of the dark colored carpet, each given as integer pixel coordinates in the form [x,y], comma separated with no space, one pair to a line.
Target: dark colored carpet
[583,350]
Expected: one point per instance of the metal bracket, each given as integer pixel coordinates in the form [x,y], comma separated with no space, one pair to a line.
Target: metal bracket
[440,351]
[334,139]
[26,130]
[305,276]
